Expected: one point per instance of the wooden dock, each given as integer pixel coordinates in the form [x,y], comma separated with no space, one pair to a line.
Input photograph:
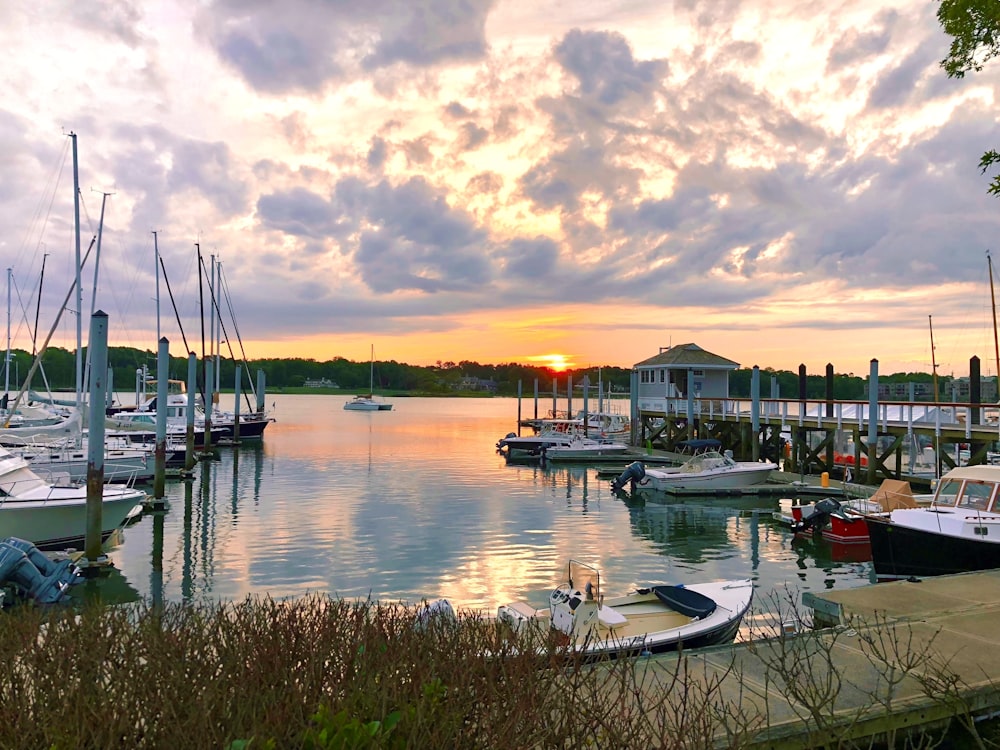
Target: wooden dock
[894,658]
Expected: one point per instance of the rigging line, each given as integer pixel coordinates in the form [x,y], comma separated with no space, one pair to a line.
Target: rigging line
[53,182]
[38,359]
[222,325]
[239,339]
[33,334]
[201,315]
[174,305]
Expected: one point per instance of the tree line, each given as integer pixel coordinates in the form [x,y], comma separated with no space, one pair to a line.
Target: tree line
[58,372]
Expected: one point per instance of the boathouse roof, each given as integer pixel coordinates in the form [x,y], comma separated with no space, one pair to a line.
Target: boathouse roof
[688,355]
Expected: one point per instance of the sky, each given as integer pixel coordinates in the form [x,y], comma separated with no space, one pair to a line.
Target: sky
[582,184]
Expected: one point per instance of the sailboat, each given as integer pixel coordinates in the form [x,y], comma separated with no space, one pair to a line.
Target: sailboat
[367,402]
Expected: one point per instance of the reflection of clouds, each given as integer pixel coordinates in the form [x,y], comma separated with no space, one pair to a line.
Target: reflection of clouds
[415,504]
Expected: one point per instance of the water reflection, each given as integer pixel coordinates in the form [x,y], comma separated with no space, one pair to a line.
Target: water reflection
[415,504]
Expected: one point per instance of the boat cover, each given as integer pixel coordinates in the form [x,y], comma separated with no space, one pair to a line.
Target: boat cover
[685,601]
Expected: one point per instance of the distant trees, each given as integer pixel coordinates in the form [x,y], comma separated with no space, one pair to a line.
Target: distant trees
[59,367]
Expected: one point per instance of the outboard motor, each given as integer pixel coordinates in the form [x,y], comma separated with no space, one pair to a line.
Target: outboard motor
[33,574]
[502,443]
[633,473]
[819,514]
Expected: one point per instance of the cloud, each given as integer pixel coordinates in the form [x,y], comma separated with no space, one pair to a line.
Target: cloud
[301,46]
[602,62]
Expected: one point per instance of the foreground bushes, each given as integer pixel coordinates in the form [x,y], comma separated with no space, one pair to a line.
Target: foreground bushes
[326,673]
[314,672]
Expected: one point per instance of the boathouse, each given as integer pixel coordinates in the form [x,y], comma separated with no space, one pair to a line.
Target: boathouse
[680,371]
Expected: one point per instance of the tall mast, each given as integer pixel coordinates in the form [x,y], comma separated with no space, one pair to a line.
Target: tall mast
[79,288]
[993,306]
[6,380]
[930,323]
[156,265]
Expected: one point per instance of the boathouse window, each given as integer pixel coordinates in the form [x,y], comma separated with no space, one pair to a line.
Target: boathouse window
[663,376]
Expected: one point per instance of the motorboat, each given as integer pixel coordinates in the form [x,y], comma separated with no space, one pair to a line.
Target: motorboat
[594,424]
[140,422]
[513,445]
[122,462]
[843,519]
[585,449]
[54,515]
[706,470]
[959,531]
[652,619]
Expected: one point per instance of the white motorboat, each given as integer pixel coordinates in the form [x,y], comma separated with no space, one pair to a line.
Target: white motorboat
[126,463]
[650,619]
[585,449]
[708,470]
[55,515]
[958,531]
[513,445]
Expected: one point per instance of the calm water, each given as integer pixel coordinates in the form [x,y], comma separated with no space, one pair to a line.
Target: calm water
[416,504]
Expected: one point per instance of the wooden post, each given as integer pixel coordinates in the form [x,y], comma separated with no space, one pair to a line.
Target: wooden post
[192,389]
[95,440]
[872,420]
[160,450]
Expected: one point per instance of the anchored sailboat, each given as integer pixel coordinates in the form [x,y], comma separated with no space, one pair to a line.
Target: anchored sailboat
[367,402]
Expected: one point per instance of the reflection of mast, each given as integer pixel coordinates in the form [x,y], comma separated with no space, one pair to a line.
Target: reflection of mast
[933,360]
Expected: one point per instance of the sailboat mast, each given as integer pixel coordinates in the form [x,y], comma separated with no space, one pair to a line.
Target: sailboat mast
[930,323]
[6,369]
[156,266]
[993,306]
[79,287]
[371,373]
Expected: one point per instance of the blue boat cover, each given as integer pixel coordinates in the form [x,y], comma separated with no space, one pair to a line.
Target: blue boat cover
[685,601]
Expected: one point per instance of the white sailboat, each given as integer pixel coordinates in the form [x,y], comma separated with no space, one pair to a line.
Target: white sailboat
[367,402]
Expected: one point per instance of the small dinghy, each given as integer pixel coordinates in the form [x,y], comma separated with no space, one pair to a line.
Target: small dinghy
[648,620]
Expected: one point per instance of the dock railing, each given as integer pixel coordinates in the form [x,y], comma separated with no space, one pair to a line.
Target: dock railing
[824,414]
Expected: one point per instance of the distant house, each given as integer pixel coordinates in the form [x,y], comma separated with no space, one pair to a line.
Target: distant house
[679,370]
[320,383]
[470,383]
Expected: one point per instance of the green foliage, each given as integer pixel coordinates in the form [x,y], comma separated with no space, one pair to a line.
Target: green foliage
[974,26]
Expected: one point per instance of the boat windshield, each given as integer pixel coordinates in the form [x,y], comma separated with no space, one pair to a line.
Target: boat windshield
[706,461]
[947,492]
[586,578]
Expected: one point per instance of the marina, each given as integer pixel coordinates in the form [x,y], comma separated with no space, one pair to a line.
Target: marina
[415,504]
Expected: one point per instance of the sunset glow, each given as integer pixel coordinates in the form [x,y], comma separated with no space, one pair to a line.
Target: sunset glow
[555,362]
[496,182]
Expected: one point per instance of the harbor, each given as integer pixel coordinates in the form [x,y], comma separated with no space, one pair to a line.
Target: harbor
[416,505]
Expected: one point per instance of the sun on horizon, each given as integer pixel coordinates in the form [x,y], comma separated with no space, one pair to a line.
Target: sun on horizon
[555,362]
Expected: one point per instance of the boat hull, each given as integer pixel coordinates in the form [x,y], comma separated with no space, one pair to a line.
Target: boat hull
[728,480]
[902,552]
[62,522]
